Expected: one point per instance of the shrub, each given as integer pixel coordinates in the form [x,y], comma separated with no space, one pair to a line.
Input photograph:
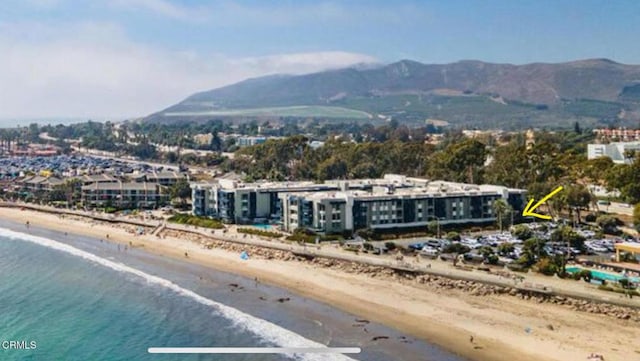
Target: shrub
[505,248]
[618,290]
[585,274]
[609,224]
[591,217]
[260,232]
[307,236]
[390,245]
[456,248]
[522,232]
[493,259]
[546,267]
[453,236]
[198,221]
[624,283]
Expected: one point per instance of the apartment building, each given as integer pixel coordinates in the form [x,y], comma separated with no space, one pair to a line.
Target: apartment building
[166,178]
[126,195]
[616,151]
[38,183]
[245,203]
[337,206]
[384,207]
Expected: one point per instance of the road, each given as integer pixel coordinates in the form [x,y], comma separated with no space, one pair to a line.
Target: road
[618,208]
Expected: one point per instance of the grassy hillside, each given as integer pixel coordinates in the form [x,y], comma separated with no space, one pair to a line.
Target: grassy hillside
[465,93]
[301,111]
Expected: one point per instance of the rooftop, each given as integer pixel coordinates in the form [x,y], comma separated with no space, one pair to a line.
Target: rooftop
[432,189]
[121,186]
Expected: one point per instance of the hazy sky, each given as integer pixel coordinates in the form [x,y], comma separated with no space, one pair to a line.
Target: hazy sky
[127,58]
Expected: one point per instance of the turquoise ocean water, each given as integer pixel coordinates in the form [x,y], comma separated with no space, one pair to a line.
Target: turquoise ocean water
[81,299]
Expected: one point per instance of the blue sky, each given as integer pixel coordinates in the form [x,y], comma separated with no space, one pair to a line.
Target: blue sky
[126,58]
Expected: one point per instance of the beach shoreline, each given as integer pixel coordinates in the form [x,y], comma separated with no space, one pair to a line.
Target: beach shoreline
[445,318]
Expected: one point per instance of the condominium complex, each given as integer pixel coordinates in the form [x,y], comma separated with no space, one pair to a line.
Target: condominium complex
[615,151]
[343,206]
[124,195]
[245,203]
[166,178]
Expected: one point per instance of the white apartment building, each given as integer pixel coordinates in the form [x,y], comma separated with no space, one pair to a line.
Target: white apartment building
[615,151]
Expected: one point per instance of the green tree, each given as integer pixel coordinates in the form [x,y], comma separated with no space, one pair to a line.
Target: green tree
[505,248]
[453,236]
[636,216]
[501,209]
[577,198]
[522,232]
[181,190]
[461,161]
[486,251]
[566,234]
[608,223]
[532,250]
[457,248]
[546,267]
[577,128]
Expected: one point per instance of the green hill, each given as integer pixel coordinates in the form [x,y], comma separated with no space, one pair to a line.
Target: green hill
[466,93]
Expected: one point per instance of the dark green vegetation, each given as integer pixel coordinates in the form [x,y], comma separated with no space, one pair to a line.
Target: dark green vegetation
[306,236]
[465,93]
[554,159]
[197,221]
[260,232]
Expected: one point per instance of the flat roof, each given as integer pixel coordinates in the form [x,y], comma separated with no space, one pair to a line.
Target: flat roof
[628,246]
[435,190]
[381,187]
[121,185]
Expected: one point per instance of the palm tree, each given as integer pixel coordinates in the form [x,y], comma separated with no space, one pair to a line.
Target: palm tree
[501,208]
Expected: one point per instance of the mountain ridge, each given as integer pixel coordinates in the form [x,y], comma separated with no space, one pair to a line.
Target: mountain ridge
[543,86]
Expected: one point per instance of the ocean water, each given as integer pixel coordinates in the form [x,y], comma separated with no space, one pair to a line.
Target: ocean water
[23,122]
[82,299]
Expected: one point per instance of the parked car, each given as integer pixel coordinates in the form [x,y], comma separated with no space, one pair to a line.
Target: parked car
[429,252]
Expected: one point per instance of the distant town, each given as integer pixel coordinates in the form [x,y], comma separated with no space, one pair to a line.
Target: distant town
[404,183]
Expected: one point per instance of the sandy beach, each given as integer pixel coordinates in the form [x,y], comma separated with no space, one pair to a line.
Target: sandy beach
[503,327]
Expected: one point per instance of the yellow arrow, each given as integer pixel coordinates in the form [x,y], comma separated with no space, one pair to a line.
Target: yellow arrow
[528,210]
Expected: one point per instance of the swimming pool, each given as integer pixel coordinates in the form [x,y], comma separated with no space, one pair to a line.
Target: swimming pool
[603,275]
[266,227]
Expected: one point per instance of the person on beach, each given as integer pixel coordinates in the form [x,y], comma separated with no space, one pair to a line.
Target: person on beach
[27,224]
[471,339]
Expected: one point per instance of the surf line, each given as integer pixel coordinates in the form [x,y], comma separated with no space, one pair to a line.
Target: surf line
[264,329]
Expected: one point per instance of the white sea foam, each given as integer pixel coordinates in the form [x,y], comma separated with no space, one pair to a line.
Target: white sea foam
[264,329]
